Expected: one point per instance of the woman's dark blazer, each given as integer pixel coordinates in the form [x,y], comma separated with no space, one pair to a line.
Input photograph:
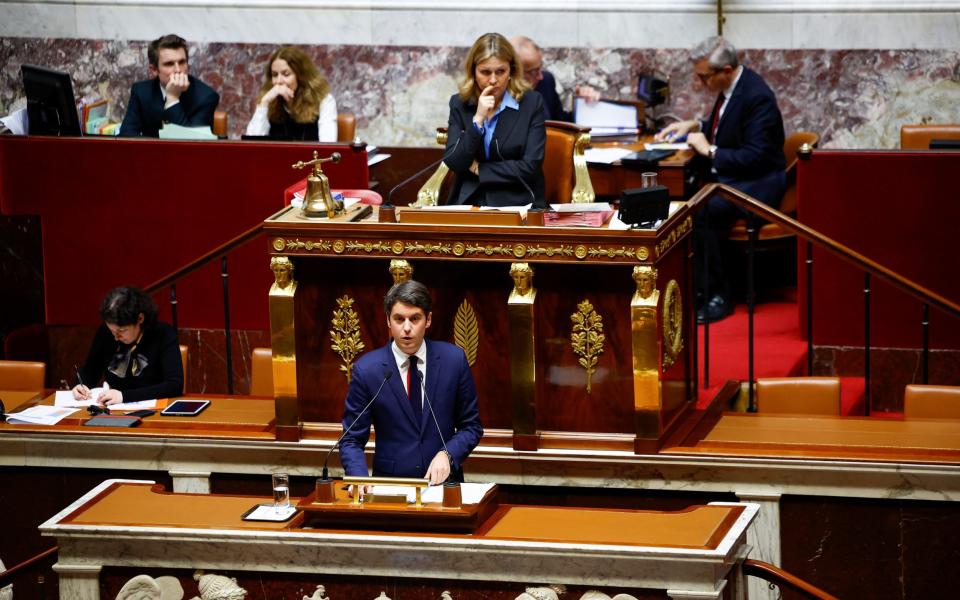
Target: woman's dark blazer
[513,175]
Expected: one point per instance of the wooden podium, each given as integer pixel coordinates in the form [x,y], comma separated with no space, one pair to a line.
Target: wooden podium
[577,337]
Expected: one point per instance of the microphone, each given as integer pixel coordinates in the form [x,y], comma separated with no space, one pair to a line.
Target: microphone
[387,373]
[426,399]
[533,198]
[432,165]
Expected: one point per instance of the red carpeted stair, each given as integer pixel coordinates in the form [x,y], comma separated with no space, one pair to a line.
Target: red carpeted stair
[779,351]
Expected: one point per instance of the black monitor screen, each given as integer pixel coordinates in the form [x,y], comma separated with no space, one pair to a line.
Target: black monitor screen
[945,144]
[51,107]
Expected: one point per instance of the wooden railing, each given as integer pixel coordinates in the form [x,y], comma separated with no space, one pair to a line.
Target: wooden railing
[7,576]
[870,268]
[784,580]
[220,252]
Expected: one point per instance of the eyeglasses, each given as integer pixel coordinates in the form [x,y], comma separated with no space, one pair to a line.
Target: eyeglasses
[705,77]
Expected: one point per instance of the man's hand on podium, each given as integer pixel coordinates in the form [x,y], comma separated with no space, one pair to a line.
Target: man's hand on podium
[439,468]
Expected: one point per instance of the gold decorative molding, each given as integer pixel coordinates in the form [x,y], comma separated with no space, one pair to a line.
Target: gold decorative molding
[345,335]
[523,362]
[587,338]
[672,319]
[470,249]
[400,270]
[645,348]
[466,334]
[674,236]
[283,282]
[523,291]
[583,187]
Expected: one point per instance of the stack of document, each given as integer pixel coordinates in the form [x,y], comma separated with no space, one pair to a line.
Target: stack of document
[65,399]
[470,493]
[40,415]
[592,214]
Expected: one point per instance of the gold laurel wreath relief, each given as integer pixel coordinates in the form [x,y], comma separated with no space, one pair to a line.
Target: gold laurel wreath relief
[345,334]
[466,334]
[587,338]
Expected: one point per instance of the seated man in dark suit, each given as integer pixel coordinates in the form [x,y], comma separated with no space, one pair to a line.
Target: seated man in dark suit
[743,141]
[171,96]
[541,80]
[426,425]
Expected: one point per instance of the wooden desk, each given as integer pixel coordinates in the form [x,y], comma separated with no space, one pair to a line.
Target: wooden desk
[923,440]
[675,172]
[236,417]
[129,524]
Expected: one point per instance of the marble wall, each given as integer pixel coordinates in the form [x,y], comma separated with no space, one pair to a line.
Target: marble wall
[852,70]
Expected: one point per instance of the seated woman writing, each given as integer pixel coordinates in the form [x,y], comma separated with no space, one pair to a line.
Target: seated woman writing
[496,134]
[295,102]
[138,356]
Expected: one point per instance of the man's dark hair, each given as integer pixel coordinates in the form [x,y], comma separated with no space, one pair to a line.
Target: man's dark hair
[409,292]
[171,41]
[123,305]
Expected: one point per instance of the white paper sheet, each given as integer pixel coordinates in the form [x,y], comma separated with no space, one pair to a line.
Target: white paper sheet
[605,156]
[40,415]
[603,116]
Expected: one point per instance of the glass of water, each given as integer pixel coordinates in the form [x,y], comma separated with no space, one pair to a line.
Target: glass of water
[281,491]
[648,179]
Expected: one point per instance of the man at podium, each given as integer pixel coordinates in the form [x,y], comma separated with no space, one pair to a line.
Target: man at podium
[418,394]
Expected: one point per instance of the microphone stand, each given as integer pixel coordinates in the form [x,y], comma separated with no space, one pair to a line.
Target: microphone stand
[325,487]
[452,496]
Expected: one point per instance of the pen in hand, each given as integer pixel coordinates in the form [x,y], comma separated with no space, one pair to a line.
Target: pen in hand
[82,392]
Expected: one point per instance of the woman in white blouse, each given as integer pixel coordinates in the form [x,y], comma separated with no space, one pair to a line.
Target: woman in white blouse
[295,102]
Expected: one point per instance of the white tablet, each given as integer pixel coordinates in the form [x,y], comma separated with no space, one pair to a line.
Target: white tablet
[185,408]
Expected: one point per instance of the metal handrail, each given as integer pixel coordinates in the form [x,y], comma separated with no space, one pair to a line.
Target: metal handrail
[834,247]
[870,268]
[784,579]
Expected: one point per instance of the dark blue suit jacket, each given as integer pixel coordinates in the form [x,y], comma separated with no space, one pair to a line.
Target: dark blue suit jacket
[552,105]
[405,448]
[145,113]
[513,175]
[749,140]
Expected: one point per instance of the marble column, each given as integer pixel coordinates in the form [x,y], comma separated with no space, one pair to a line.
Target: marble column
[191,482]
[78,582]
[764,536]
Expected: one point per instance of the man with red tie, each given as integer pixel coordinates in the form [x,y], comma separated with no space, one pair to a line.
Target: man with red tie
[421,396]
[743,140]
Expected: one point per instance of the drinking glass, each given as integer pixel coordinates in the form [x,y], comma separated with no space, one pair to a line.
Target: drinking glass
[648,180]
[281,491]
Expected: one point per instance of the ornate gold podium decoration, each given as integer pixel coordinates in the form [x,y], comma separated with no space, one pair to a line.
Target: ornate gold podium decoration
[317,201]
[345,334]
[400,270]
[672,319]
[466,334]
[587,338]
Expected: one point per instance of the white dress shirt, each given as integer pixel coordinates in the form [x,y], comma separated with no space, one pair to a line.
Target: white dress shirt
[403,364]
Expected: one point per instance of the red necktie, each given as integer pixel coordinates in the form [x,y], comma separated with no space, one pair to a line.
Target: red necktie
[716,118]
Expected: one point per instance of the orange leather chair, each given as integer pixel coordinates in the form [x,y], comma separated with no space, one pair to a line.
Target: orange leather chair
[184,355]
[566,178]
[773,231]
[918,137]
[261,372]
[931,402]
[564,165]
[799,395]
[346,127]
[220,123]
[22,375]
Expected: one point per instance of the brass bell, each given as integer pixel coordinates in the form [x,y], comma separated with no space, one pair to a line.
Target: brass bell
[318,202]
